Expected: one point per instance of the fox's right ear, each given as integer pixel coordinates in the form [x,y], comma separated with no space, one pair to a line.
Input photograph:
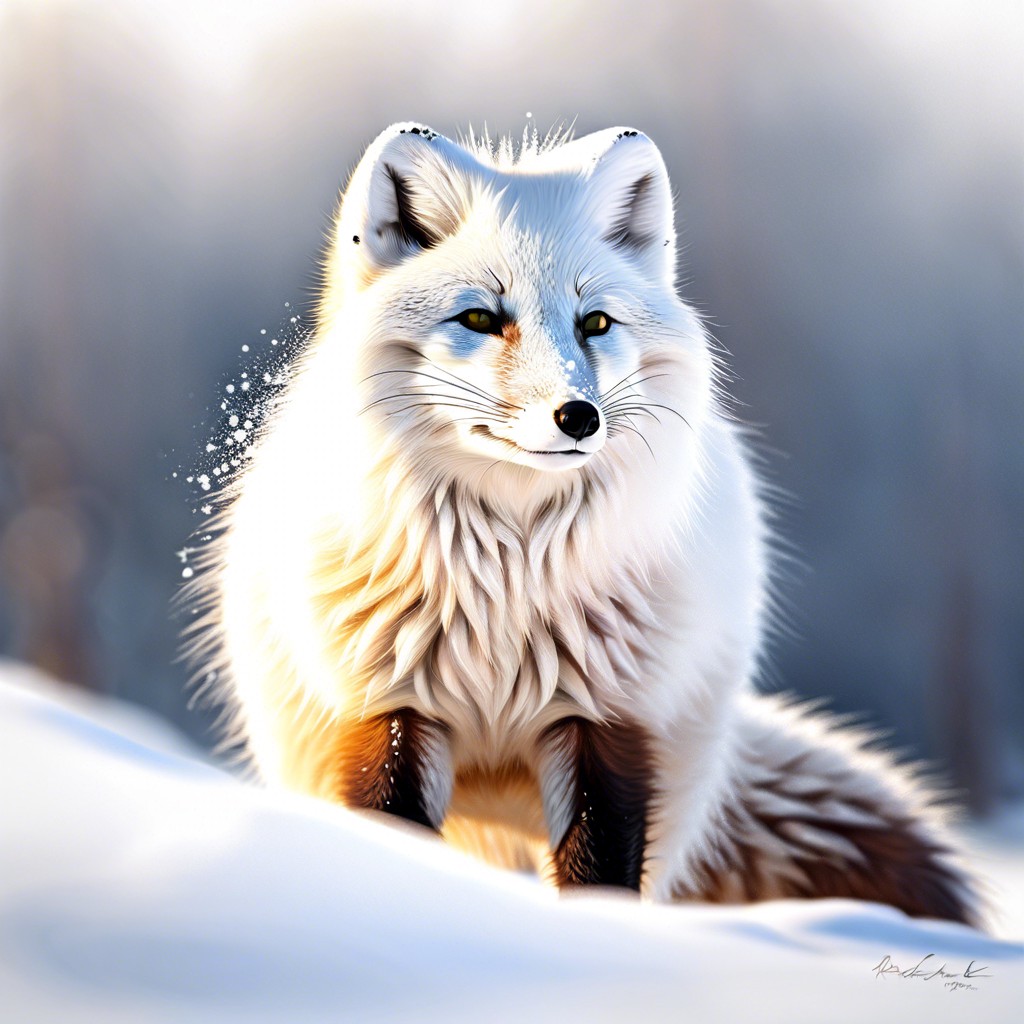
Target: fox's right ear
[409,191]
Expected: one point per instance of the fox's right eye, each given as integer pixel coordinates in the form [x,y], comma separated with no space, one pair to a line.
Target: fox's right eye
[478,320]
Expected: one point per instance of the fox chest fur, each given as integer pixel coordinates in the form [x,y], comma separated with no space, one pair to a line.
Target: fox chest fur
[494,625]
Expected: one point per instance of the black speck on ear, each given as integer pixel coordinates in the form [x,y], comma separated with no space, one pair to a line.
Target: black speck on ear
[355,238]
[415,131]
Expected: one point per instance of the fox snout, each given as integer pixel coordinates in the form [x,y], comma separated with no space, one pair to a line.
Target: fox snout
[578,419]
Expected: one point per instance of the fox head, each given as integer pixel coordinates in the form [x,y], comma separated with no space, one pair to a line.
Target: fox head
[513,317]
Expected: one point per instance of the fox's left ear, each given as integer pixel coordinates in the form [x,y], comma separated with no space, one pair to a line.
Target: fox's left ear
[630,197]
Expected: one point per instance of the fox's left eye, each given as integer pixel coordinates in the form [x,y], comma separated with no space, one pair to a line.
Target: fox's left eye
[479,320]
[595,323]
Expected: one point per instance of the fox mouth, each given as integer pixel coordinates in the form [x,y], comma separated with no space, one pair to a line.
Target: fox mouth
[482,431]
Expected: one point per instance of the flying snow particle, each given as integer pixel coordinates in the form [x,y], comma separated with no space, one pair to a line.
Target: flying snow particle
[186,573]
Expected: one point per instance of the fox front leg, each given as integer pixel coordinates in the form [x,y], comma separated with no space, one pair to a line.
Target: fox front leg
[399,763]
[596,785]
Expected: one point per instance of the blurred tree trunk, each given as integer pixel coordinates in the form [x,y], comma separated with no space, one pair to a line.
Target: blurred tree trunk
[967,720]
[964,706]
[43,528]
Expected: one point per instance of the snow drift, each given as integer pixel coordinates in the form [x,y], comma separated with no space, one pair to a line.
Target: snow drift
[139,883]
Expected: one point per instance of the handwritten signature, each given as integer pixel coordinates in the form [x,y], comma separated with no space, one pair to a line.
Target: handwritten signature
[929,968]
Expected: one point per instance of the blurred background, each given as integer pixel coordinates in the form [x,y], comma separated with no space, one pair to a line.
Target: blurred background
[850,183]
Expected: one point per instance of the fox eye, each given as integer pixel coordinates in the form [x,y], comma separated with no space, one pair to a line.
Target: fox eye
[595,323]
[478,320]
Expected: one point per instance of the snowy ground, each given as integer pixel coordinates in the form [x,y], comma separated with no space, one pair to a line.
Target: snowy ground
[139,884]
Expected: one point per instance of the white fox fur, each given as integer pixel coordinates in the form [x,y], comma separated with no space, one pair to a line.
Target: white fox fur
[415,531]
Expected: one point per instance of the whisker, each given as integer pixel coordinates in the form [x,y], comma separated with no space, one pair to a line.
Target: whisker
[628,426]
[440,380]
[476,417]
[667,408]
[465,403]
[480,416]
[619,384]
[469,384]
[632,384]
[626,410]
[622,383]
[637,402]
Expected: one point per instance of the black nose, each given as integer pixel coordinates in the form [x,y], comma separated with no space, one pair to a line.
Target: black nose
[578,419]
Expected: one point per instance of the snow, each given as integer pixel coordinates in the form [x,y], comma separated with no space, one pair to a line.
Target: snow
[138,882]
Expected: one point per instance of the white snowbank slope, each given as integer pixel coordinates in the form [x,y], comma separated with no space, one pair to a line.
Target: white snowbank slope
[137,884]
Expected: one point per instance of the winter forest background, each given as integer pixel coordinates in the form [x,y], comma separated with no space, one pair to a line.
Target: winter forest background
[850,194]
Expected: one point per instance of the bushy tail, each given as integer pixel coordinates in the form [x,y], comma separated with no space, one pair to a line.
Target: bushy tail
[814,810]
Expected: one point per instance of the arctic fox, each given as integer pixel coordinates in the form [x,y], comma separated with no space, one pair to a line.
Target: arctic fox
[499,563]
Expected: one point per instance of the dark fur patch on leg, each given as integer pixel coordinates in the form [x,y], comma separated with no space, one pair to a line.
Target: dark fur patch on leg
[398,763]
[597,792]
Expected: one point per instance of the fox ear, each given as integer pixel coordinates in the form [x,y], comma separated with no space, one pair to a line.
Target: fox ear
[630,198]
[409,191]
